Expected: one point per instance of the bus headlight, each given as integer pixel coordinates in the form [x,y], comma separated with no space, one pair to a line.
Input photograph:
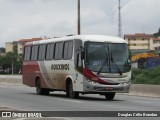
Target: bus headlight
[90,81]
[126,83]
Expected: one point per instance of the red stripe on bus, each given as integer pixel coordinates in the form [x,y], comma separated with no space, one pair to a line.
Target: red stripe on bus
[91,76]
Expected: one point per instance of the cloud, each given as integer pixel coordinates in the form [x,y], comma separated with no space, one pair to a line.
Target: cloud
[36,18]
[140,16]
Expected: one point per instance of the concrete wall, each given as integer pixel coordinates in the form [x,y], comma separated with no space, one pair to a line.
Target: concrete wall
[145,90]
[136,89]
[11,79]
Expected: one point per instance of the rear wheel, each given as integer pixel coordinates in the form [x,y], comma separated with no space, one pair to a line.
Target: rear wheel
[39,90]
[109,96]
[70,93]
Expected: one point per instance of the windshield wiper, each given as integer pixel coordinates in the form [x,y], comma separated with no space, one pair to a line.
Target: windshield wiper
[107,58]
[102,65]
[118,69]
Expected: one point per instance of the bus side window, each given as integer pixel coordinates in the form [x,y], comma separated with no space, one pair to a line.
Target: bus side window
[77,53]
[79,60]
[58,50]
[27,53]
[34,52]
[50,51]
[42,51]
[68,50]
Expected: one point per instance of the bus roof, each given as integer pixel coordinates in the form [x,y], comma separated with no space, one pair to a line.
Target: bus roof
[93,38]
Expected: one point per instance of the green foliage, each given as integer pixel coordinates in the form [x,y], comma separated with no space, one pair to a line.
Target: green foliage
[2,50]
[9,59]
[157,34]
[19,61]
[142,76]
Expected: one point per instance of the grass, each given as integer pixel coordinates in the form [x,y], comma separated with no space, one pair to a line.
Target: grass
[146,76]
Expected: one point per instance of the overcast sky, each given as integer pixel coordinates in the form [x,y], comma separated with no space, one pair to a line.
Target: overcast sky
[21,19]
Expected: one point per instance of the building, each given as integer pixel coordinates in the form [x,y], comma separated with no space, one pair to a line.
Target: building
[9,47]
[17,46]
[140,41]
[156,42]
[21,43]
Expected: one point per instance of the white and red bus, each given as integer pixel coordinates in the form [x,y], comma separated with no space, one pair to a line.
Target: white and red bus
[86,64]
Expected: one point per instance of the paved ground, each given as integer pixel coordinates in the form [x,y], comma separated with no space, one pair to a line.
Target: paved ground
[24,98]
[15,96]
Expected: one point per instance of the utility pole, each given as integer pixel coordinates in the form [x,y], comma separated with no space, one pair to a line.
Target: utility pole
[119,20]
[79,22]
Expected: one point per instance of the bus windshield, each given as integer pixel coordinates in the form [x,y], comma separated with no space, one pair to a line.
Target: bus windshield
[107,57]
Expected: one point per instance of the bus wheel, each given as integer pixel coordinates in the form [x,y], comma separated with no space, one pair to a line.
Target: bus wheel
[39,90]
[109,96]
[70,92]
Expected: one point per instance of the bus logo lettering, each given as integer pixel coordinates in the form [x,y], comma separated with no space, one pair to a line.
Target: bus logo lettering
[60,67]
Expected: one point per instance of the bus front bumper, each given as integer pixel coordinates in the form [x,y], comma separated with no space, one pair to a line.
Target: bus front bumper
[100,88]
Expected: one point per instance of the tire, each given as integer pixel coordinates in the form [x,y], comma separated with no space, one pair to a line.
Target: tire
[109,96]
[70,93]
[39,90]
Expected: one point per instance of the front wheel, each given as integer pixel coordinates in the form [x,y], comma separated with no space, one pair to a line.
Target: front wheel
[109,96]
[70,93]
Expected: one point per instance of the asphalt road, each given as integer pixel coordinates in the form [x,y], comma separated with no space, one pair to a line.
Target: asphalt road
[25,98]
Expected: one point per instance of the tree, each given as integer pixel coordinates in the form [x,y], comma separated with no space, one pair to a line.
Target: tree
[19,62]
[157,34]
[2,50]
[11,62]
[4,63]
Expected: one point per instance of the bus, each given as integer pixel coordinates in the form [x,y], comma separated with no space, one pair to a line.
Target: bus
[80,64]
